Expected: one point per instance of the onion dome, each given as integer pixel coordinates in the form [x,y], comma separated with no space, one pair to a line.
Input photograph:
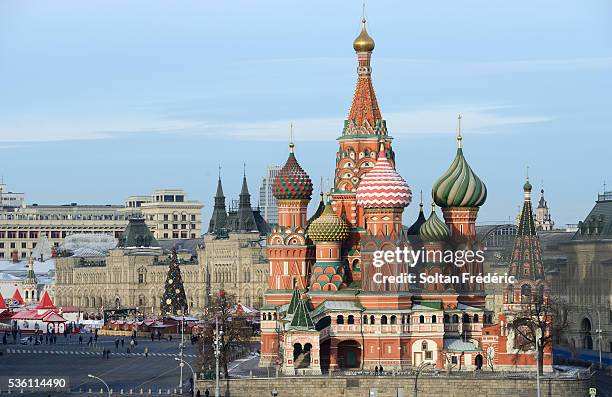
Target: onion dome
[319,210]
[434,229]
[383,186]
[328,226]
[363,42]
[459,186]
[416,226]
[292,182]
[527,186]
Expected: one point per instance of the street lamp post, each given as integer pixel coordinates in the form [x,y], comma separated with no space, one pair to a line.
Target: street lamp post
[217,343]
[181,352]
[416,378]
[538,358]
[183,362]
[598,331]
[101,380]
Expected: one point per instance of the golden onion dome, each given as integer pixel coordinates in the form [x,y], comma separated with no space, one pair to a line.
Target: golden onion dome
[363,42]
[328,227]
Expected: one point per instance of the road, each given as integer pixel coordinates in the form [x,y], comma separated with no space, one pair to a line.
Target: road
[125,371]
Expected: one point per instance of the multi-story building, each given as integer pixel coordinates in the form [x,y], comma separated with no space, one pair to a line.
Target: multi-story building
[584,282]
[267,201]
[10,199]
[167,212]
[92,275]
[130,275]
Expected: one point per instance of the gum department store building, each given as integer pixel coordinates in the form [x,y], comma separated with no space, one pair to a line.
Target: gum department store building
[322,309]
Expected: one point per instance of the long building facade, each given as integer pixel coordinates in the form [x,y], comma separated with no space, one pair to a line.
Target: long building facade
[132,274]
[329,305]
[167,212]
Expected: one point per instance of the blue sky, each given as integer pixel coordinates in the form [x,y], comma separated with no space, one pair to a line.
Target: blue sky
[104,99]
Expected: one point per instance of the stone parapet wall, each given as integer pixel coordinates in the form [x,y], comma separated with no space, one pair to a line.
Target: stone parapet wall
[393,387]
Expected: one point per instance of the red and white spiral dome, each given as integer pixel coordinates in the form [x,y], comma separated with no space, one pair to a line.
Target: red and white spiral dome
[383,187]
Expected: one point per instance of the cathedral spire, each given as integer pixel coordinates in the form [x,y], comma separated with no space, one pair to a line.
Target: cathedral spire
[218,221]
[246,219]
[526,262]
[364,115]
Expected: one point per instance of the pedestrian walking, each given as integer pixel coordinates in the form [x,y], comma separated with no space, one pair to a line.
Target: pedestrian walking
[80,339]
[206,393]
[381,370]
[108,353]
[152,336]
[121,342]
[104,353]
[146,351]
[116,344]
[376,370]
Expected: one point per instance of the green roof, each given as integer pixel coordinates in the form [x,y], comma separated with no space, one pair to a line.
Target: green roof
[295,300]
[301,319]
[137,234]
[339,305]
[436,305]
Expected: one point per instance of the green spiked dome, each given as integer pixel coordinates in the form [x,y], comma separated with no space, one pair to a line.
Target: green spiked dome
[527,186]
[328,226]
[434,229]
[459,186]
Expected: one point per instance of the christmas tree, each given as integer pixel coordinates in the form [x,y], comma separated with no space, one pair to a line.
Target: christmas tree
[174,301]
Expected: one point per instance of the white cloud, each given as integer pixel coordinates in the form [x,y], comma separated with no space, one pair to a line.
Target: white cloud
[420,122]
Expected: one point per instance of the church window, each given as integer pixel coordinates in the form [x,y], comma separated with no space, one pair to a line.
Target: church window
[351,319]
[434,319]
[372,320]
[422,319]
[393,320]
[476,318]
[340,319]
[383,320]
[365,319]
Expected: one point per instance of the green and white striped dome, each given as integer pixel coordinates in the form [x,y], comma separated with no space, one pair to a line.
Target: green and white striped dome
[434,229]
[459,186]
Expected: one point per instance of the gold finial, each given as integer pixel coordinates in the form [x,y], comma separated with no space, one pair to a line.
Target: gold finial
[291,145]
[433,206]
[459,137]
[363,42]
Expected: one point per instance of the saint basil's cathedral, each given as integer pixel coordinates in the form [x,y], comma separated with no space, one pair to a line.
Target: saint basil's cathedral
[323,309]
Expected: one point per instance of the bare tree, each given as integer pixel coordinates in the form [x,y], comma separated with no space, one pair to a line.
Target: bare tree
[235,336]
[536,324]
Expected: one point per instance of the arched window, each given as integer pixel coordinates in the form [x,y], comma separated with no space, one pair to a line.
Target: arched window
[466,318]
[511,293]
[383,320]
[372,320]
[393,320]
[422,319]
[525,293]
[446,319]
[455,319]
[351,319]
[434,319]
[340,319]
[365,319]
[476,318]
